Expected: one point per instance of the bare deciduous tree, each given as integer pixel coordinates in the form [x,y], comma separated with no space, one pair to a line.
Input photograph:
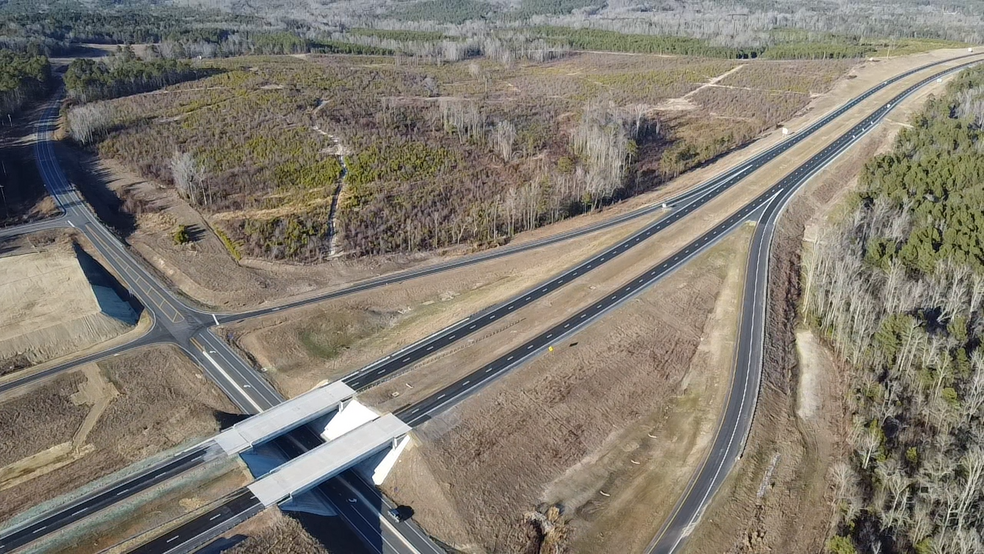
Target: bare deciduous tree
[503,137]
[189,178]
[87,122]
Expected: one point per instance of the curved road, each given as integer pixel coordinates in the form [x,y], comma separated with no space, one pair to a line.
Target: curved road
[736,419]
[188,326]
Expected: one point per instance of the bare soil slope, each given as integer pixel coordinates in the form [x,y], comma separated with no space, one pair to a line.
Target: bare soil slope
[50,306]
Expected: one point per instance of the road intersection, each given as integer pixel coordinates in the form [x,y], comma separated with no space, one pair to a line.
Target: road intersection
[189,327]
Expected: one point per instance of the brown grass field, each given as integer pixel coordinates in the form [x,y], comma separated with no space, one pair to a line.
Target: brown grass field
[602,427]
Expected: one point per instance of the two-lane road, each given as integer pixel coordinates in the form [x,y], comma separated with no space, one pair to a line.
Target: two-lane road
[253,393]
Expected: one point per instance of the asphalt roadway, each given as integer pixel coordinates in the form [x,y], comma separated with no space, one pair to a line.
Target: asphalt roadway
[173,321]
[237,378]
[737,417]
[348,494]
[736,420]
[251,392]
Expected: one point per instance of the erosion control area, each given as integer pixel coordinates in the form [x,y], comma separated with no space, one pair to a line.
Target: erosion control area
[53,303]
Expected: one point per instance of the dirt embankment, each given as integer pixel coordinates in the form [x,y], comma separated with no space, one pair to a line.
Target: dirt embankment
[61,434]
[601,428]
[288,533]
[276,532]
[777,498]
[54,302]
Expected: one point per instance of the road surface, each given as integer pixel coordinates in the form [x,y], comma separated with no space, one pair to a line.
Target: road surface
[737,417]
[173,321]
[736,421]
[188,326]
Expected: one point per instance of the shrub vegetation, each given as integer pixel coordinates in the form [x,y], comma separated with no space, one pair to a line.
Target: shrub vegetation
[436,156]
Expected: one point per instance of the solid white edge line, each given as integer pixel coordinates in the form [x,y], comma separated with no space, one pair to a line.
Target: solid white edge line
[234,383]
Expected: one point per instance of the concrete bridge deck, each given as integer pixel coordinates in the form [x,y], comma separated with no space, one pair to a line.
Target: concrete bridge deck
[324,462]
[283,417]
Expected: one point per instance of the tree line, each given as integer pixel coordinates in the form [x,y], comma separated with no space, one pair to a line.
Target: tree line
[23,77]
[124,74]
[897,288]
[132,25]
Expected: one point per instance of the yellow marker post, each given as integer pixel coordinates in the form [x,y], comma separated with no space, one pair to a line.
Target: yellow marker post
[550,349]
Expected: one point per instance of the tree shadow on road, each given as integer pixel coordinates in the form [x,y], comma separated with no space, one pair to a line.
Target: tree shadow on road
[93,181]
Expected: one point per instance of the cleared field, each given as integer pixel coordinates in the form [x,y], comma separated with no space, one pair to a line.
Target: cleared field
[435,156]
[62,434]
[204,270]
[604,427]
[55,302]
[274,532]
[328,340]
[334,338]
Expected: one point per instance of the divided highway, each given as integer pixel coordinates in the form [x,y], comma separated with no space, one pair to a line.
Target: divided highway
[682,206]
[188,327]
[17,537]
[250,391]
[736,420]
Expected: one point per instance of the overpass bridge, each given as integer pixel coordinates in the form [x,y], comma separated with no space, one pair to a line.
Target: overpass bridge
[351,431]
[387,433]
[317,403]
[370,446]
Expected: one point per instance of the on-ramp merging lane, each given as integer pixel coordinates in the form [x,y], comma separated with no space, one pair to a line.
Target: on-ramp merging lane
[237,378]
[736,420]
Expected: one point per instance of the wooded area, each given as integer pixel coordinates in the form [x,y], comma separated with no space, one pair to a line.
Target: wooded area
[23,77]
[441,30]
[123,74]
[898,289]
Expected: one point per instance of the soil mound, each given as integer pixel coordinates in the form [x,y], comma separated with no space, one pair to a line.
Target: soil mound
[56,302]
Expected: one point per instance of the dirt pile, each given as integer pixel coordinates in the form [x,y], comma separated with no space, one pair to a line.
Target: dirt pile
[53,303]
[281,534]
